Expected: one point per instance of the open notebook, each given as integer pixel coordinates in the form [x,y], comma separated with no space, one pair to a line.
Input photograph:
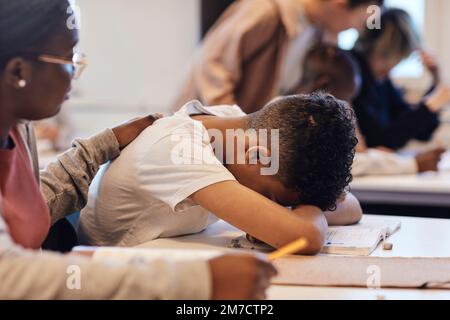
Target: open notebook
[358,240]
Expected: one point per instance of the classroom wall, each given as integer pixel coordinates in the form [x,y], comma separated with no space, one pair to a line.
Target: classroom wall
[438,33]
[437,37]
[138,53]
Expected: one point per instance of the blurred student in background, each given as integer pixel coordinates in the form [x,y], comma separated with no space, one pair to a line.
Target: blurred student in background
[58,131]
[384,116]
[331,69]
[254,51]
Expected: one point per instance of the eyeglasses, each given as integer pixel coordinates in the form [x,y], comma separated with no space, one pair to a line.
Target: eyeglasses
[76,65]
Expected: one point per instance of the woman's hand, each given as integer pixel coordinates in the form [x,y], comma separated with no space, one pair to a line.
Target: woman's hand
[240,277]
[127,132]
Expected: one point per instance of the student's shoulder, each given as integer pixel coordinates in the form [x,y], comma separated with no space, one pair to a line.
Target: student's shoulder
[167,126]
[157,142]
[179,125]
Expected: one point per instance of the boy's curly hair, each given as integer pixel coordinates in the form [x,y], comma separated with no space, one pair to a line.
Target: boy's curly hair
[317,145]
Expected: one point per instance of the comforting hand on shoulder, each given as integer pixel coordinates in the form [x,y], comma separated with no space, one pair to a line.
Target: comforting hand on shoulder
[127,132]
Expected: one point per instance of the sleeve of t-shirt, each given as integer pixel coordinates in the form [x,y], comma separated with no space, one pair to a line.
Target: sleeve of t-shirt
[180,164]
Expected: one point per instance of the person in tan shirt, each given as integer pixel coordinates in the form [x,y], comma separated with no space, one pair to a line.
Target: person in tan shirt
[252,54]
[37,65]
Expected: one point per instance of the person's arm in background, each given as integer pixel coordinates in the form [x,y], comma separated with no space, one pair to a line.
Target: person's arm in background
[370,161]
[32,275]
[379,162]
[262,218]
[424,116]
[249,26]
[65,183]
[410,122]
[407,123]
[26,274]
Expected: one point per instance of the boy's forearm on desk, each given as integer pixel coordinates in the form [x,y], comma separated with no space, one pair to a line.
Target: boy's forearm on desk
[263,218]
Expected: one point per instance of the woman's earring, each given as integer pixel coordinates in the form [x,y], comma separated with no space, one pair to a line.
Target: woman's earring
[22,83]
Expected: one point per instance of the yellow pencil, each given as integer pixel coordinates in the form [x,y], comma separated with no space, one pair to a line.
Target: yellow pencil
[291,248]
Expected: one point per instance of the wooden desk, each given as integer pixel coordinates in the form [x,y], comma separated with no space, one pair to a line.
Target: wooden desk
[419,237]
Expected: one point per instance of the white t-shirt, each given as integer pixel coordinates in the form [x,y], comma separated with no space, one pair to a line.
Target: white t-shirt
[144,194]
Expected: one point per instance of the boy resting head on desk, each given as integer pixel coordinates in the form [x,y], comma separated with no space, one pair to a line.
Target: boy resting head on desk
[296,152]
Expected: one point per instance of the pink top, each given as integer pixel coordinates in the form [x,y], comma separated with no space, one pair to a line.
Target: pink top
[24,208]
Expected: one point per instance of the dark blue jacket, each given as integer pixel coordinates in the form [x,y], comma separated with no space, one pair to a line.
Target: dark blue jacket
[385,118]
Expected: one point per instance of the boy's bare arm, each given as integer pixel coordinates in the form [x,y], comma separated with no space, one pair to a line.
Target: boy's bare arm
[348,211]
[263,218]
